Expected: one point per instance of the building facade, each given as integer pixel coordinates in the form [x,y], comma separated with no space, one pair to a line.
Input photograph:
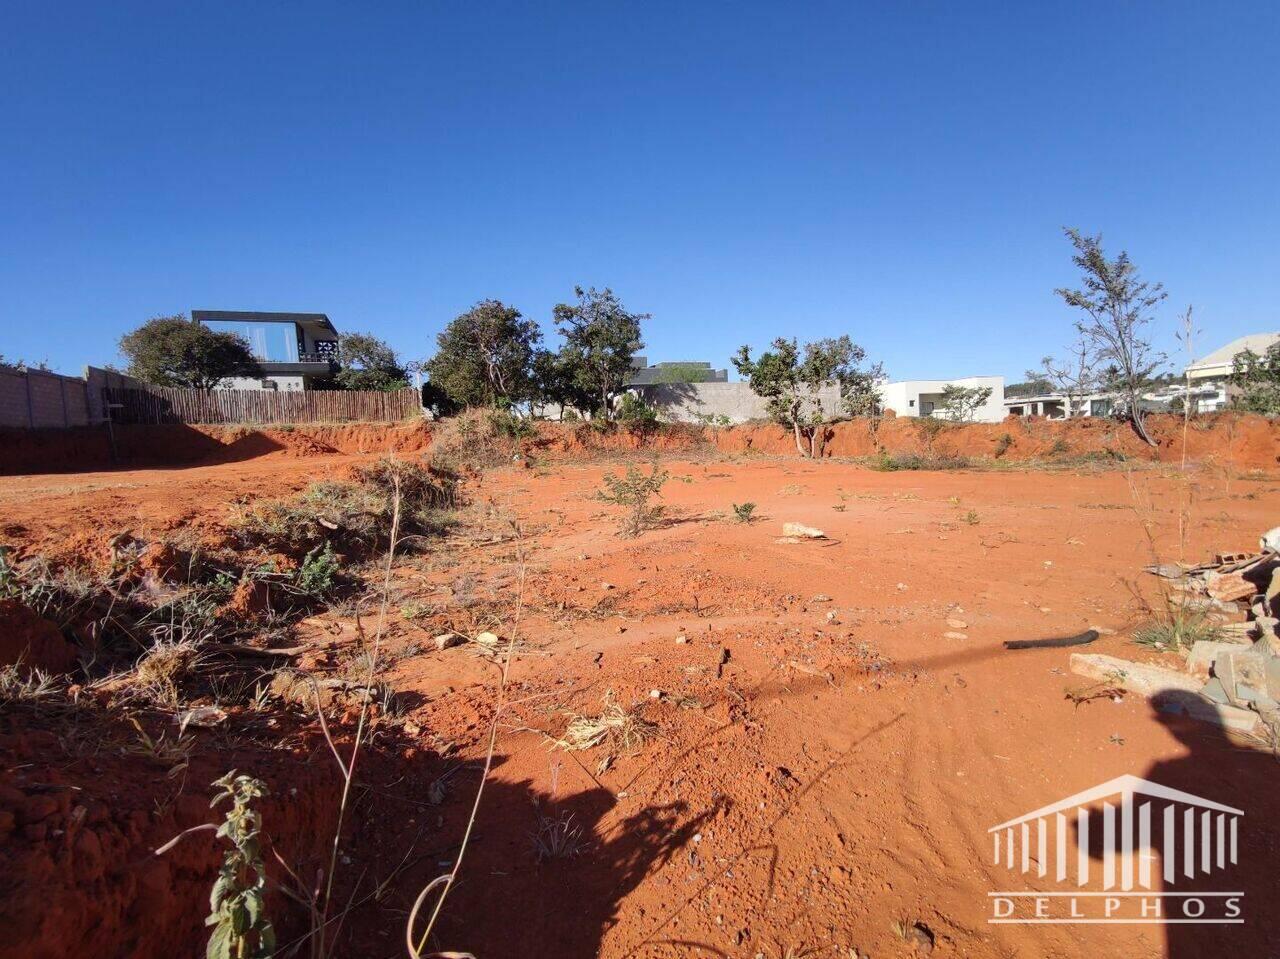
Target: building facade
[924,397]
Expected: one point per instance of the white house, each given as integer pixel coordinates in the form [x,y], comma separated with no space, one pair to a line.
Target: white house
[924,397]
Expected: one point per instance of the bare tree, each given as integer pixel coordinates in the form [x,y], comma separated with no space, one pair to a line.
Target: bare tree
[1075,376]
[1118,304]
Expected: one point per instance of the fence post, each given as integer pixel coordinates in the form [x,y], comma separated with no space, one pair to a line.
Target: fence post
[31,408]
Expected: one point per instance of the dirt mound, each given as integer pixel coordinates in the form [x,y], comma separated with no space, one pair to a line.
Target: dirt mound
[29,639]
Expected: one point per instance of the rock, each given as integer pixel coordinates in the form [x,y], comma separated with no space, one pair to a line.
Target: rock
[488,639]
[606,586]
[800,531]
[1271,540]
[447,640]
[954,635]
[957,624]
[821,598]
[655,694]
[682,639]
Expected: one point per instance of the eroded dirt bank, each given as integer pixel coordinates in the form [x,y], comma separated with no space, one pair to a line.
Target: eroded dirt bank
[1230,440]
[830,746]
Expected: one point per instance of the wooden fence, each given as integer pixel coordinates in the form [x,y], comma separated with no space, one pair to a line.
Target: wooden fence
[168,405]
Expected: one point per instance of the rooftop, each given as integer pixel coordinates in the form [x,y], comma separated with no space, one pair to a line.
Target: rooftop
[1258,342]
[253,316]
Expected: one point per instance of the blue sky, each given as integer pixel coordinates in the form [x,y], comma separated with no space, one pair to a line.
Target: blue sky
[900,172]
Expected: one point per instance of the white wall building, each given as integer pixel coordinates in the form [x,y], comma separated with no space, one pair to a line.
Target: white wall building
[1209,374]
[924,397]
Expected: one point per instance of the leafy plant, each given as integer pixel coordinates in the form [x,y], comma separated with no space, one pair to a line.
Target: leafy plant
[600,338]
[632,492]
[319,571]
[971,518]
[1003,444]
[743,511]
[241,929]
[633,409]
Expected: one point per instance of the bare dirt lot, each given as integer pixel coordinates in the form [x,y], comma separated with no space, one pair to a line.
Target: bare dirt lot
[835,723]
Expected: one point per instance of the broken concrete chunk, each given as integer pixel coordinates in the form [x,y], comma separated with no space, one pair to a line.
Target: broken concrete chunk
[1203,653]
[1137,677]
[487,639]
[1270,540]
[800,531]
[1241,720]
[1228,587]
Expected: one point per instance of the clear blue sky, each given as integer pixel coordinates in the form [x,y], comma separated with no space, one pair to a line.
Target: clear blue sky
[897,171]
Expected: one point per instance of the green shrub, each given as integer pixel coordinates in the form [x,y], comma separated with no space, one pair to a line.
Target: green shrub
[743,512]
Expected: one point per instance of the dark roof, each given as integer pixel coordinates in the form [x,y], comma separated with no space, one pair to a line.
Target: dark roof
[202,316]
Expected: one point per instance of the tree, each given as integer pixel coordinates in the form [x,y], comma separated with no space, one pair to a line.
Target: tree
[175,351]
[553,381]
[1257,380]
[1118,304]
[600,339]
[791,382]
[368,363]
[1074,377]
[485,355]
[959,403]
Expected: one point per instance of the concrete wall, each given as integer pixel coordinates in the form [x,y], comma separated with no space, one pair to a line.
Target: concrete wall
[696,402]
[905,397]
[36,399]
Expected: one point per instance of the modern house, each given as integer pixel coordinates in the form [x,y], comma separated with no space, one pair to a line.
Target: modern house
[295,351]
[924,397]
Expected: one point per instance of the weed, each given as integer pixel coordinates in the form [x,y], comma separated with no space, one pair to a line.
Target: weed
[174,753]
[1178,630]
[1003,443]
[915,461]
[971,518]
[241,929]
[1059,446]
[557,837]
[743,512]
[633,492]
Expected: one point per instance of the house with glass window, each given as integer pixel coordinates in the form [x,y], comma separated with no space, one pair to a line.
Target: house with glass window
[295,351]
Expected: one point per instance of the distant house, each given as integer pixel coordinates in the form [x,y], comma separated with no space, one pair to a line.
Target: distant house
[296,351]
[924,397]
[1205,387]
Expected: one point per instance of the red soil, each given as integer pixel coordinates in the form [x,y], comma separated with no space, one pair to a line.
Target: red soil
[815,779]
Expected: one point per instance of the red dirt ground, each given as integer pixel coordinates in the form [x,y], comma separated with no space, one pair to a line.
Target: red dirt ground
[816,778]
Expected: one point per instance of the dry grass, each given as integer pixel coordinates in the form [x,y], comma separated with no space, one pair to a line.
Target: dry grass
[161,669]
[613,725]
